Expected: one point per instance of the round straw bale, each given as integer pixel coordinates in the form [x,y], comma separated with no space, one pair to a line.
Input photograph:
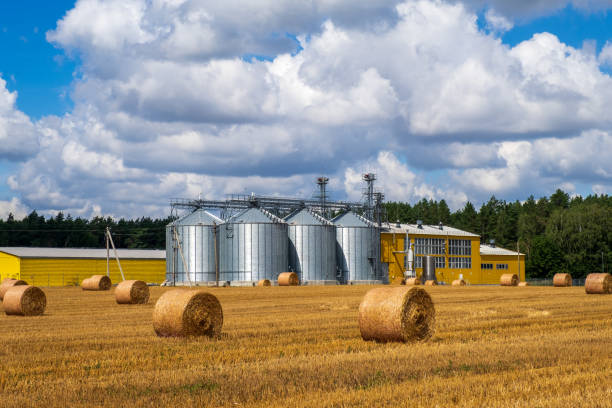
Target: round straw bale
[132,292]
[509,279]
[430,283]
[397,314]
[9,283]
[458,282]
[562,279]
[412,281]
[264,282]
[180,313]
[598,283]
[96,282]
[523,284]
[24,300]
[288,279]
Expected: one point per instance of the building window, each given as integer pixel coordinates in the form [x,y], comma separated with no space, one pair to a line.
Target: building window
[486,266]
[459,247]
[439,261]
[459,263]
[501,266]
[429,246]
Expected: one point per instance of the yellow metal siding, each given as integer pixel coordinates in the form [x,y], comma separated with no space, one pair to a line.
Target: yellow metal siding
[492,276]
[471,275]
[9,266]
[390,247]
[392,242]
[64,271]
[447,275]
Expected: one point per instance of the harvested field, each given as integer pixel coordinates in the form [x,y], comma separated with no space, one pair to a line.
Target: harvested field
[301,346]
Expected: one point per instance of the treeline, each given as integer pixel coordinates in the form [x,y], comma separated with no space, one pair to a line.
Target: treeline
[557,233]
[67,232]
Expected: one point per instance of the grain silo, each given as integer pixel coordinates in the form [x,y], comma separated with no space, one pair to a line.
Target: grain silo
[196,242]
[358,249]
[253,245]
[312,247]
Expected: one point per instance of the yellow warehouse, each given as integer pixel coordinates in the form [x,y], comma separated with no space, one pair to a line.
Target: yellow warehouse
[69,266]
[458,254]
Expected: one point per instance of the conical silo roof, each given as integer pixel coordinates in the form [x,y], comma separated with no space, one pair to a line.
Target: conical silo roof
[351,219]
[306,217]
[256,215]
[198,217]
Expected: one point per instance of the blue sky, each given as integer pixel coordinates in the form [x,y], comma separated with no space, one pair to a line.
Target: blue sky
[38,71]
[171,99]
[572,26]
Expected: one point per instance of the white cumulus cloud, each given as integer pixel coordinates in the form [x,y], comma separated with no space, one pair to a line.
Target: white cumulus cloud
[179,97]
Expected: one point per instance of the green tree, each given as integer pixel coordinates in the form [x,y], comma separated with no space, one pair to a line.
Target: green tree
[583,232]
[545,260]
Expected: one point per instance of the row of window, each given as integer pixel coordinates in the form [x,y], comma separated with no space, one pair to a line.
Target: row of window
[459,263]
[459,247]
[490,266]
[440,262]
[429,246]
[453,262]
[437,246]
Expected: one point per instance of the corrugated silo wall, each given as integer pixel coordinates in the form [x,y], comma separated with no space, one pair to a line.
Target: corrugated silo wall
[169,253]
[358,254]
[198,248]
[252,251]
[312,252]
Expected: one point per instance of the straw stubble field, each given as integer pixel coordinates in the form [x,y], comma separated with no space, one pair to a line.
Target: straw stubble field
[300,346]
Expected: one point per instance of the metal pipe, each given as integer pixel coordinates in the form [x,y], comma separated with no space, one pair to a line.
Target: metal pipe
[216,254]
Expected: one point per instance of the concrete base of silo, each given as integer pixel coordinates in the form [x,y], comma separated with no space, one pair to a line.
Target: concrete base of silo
[365,282]
[320,282]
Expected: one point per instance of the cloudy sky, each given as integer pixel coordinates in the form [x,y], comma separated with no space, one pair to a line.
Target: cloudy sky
[114,107]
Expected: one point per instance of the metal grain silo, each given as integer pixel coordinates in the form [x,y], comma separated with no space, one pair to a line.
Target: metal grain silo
[196,241]
[253,245]
[312,247]
[358,249]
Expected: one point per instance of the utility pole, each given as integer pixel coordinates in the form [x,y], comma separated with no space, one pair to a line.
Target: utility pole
[107,253]
[110,238]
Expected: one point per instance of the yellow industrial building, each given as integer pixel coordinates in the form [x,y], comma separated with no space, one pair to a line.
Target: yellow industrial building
[458,254]
[69,266]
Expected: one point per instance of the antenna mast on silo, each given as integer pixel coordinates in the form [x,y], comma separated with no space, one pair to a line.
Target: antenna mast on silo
[368,193]
[322,182]
[379,210]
